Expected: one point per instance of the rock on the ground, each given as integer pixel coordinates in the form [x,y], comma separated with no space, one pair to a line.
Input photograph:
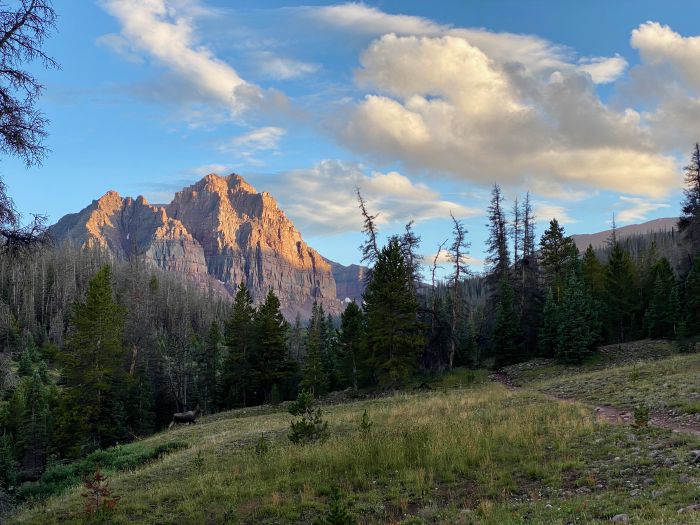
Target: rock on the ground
[620,518]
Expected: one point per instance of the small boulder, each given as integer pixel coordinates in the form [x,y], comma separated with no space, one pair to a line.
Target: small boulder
[620,518]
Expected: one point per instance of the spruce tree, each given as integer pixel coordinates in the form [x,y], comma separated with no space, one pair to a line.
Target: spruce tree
[692,302]
[578,329]
[497,256]
[507,343]
[593,273]
[391,309]
[548,336]
[314,375]
[92,413]
[660,317]
[352,339]
[689,222]
[237,375]
[35,433]
[272,367]
[557,252]
[458,254]
[621,295]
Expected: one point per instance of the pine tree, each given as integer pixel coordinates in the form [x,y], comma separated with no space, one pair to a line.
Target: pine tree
[692,302]
[352,339]
[271,366]
[621,298]
[315,375]
[497,256]
[237,372]
[507,343]
[578,330]
[391,309]
[593,273]
[689,222]
[557,252]
[35,432]
[660,317]
[93,372]
[549,332]
[458,253]
[531,298]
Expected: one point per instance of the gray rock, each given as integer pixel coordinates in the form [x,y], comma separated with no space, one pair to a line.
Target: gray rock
[690,508]
[620,518]
[694,456]
[684,478]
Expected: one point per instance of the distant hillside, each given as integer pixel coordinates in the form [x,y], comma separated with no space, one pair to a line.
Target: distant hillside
[599,240]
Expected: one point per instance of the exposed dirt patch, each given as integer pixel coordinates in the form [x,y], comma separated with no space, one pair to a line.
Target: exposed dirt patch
[610,414]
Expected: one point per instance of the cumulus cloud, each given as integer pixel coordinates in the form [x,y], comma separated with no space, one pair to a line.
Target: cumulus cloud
[667,83]
[476,118]
[637,209]
[165,31]
[659,44]
[546,211]
[324,201]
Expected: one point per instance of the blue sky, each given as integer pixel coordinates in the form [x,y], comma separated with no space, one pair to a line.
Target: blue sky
[591,106]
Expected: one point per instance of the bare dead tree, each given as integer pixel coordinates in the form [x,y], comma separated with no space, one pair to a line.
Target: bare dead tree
[23,31]
[370,247]
[435,266]
[409,243]
[516,231]
[458,256]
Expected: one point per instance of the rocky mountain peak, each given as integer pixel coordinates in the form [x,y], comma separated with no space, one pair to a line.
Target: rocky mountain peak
[220,227]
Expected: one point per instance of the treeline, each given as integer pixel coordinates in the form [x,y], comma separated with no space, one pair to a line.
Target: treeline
[94,352]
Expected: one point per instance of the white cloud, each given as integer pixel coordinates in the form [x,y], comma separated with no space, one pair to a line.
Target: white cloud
[546,211]
[165,31]
[248,145]
[660,45]
[322,200]
[638,209]
[476,118]
[358,17]
[603,70]
[266,138]
[276,67]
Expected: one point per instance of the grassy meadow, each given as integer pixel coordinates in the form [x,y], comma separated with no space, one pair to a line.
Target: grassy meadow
[467,451]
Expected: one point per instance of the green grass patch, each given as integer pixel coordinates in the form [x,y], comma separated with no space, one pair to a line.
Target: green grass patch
[60,478]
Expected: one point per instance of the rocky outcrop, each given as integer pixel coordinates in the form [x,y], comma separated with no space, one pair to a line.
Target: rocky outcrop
[219,227]
[349,281]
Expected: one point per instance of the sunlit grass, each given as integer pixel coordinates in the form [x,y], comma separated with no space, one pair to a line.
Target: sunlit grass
[481,454]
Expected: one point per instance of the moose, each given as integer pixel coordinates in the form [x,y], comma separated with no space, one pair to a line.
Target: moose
[185,418]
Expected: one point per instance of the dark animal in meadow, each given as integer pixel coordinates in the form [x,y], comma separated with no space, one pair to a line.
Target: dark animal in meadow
[185,418]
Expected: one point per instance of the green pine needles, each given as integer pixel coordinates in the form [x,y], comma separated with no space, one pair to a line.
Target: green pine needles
[309,425]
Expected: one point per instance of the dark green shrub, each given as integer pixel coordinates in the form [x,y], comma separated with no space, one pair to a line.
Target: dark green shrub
[309,425]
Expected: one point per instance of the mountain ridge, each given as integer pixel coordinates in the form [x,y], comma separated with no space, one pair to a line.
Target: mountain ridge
[220,228]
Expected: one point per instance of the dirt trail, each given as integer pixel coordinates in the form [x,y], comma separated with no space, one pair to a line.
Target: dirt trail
[608,414]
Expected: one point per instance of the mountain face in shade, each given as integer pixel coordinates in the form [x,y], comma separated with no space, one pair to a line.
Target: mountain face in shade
[221,228]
